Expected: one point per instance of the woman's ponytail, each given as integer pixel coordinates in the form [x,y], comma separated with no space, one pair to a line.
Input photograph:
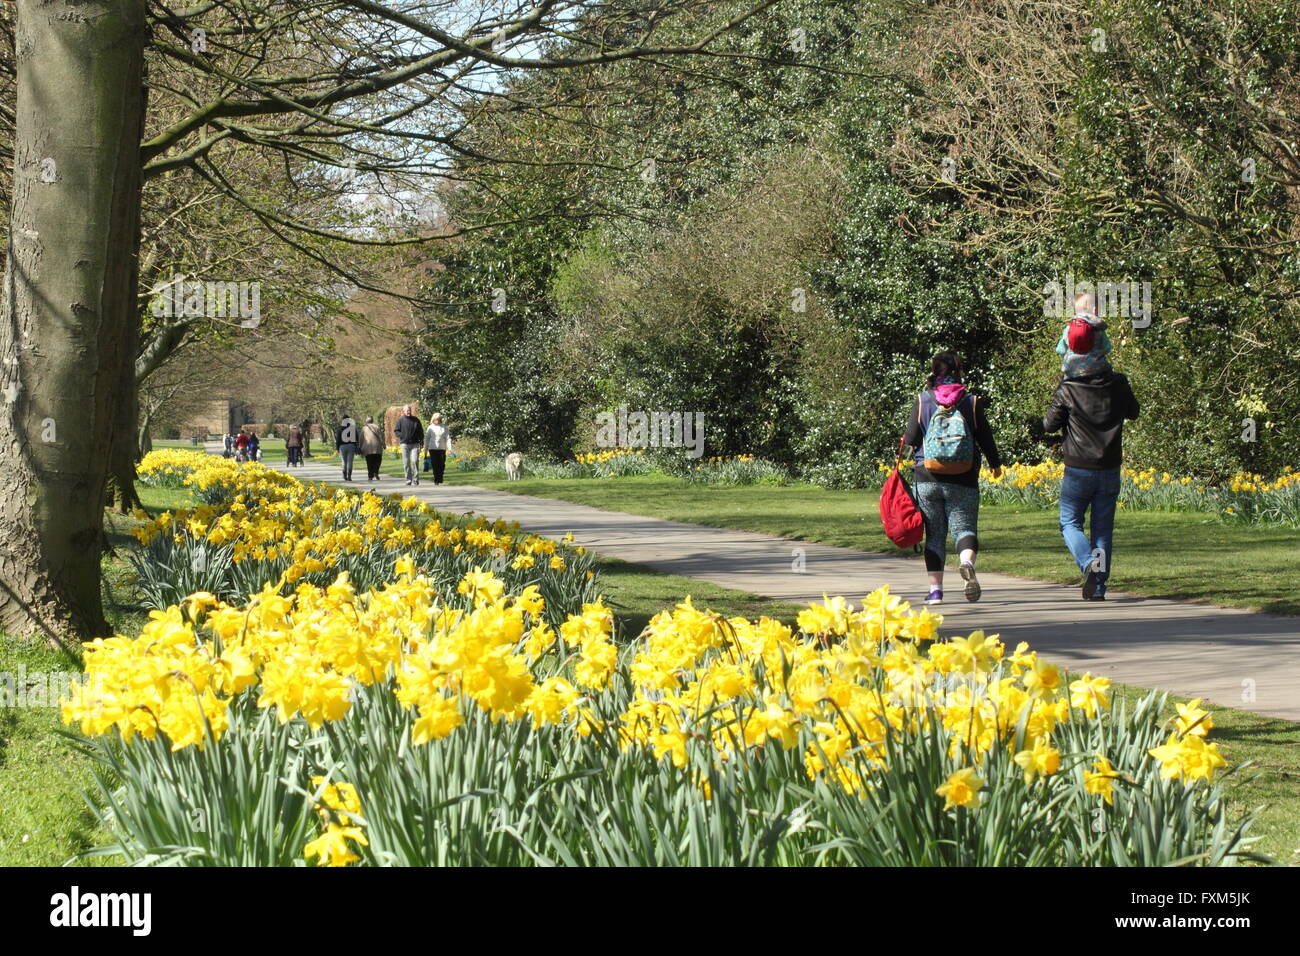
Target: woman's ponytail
[945,365]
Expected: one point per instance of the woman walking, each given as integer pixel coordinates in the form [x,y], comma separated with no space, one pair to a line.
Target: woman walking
[948,430]
[293,445]
[372,446]
[437,442]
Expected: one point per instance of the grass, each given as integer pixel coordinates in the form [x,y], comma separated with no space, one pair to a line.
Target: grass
[636,593]
[1179,555]
[45,821]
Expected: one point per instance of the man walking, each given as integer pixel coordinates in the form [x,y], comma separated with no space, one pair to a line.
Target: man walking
[1092,410]
[346,441]
[410,434]
[437,441]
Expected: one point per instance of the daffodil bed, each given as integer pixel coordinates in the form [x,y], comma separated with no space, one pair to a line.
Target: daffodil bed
[1244,497]
[255,525]
[422,722]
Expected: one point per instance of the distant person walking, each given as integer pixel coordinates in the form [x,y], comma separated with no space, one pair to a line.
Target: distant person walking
[254,447]
[372,446]
[437,441]
[948,429]
[1091,409]
[306,440]
[293,445]
[345,439]
[410,434]
[241,446]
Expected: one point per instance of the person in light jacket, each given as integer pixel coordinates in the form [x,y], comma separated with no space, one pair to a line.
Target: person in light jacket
[372,446]
[437,442]
[410,434]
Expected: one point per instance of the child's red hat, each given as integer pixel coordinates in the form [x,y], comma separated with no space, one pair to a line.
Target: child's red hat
[1080,336]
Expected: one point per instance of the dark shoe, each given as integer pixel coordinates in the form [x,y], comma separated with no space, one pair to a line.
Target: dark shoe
[1090,584]
[972,583]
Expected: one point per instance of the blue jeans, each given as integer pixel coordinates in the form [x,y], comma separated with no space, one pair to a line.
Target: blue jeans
[1081,489]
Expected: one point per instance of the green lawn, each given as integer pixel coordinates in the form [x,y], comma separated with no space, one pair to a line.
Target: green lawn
[1180,555]
[45,821]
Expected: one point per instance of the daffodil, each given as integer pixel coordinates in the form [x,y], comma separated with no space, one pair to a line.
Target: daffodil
[1100,781]
[961,789]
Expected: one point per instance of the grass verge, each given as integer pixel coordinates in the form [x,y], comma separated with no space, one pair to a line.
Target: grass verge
[45,821]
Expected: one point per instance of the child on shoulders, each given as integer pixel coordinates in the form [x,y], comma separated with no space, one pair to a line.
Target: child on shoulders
[1084,345]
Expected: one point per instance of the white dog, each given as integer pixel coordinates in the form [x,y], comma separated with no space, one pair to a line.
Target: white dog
[514,466]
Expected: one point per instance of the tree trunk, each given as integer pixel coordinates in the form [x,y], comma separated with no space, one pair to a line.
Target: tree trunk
[124,451]
[68,303]
[144,442]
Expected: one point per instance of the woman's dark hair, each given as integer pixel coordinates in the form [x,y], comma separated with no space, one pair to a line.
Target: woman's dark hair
[945,365]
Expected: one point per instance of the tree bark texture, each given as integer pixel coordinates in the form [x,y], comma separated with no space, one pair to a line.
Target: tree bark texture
[69,305]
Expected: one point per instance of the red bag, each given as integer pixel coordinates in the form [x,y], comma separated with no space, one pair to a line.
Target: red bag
[898,512]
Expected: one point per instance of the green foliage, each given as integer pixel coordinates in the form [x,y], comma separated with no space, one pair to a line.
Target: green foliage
[819,171]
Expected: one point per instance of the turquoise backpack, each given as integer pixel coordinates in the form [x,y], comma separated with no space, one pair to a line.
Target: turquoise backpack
[948,447]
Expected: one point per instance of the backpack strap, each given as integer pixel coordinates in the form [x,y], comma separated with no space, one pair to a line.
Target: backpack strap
[968,415]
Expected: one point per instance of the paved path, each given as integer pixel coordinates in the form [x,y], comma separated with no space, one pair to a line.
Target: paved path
[1232,657]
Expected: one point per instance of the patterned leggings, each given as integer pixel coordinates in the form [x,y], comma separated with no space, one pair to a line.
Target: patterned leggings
[947,507]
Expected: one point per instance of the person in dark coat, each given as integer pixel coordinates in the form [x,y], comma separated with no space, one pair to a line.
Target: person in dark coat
[410,435]
[1091,410]
[293,445]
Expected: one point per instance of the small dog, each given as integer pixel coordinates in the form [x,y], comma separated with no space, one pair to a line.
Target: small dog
[514,466]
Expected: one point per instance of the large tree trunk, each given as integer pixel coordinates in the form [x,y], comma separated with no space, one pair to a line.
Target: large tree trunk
[68,303]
